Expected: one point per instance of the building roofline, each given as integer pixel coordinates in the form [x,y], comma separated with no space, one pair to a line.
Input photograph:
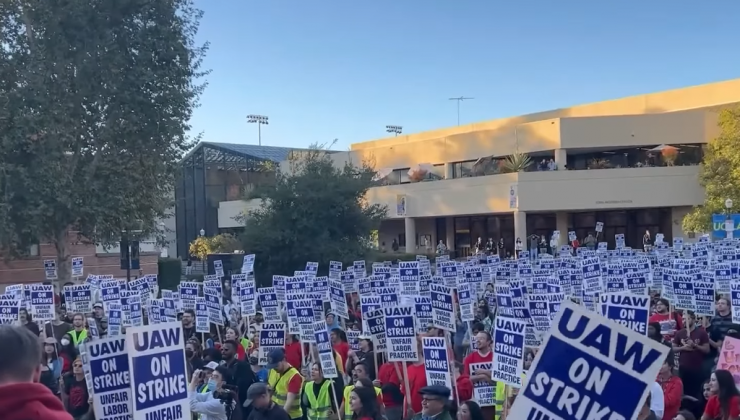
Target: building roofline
[686,98]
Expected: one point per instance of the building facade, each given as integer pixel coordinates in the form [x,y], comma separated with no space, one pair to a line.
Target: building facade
[601,162]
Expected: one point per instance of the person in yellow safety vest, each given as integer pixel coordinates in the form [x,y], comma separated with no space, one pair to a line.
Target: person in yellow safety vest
[501,397]
[361,376]
[318,401]
[286,383]
[79,332]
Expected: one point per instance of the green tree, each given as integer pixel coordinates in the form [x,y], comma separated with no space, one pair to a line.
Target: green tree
[317,212]
[95,99]
[719,173]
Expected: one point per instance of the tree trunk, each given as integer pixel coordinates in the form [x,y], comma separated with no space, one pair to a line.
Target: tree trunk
[64,262]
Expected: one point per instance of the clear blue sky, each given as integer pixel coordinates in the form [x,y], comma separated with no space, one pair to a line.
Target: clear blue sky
[326,69]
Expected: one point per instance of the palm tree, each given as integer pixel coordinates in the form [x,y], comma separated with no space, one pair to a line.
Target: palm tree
[516,162]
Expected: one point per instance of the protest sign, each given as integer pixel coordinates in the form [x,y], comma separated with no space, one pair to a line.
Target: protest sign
[159,380]
[443,312]
[111,384]
[400,334]
[42,302]
[483,391]
[326,354]
[271,337]
[508,351]
[588,367]
[436,361]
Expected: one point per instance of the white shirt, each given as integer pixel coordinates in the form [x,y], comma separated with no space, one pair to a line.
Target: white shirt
[657,401]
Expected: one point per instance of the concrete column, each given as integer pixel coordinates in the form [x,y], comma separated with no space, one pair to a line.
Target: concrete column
[448,170]
[450,227]
[561,158]
[561,223]
[520,228]
[410,230]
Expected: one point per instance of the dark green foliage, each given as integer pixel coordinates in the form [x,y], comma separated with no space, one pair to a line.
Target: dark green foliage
[95,99]
[317,212]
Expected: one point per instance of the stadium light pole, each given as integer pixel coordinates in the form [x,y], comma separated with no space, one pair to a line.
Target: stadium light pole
[259,120]
[460,99]
[394,129]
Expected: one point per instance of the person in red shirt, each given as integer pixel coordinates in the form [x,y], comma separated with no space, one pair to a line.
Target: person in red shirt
[293,353]
[340,345]
[692,343]
[482,355]
[390,381]
[725,403]
[417,375]
[463,383]
[672,388]
[669,322]
[22,397]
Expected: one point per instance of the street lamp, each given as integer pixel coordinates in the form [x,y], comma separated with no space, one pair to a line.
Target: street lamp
[729,225]
[259,120]
[394,129]
[202,232]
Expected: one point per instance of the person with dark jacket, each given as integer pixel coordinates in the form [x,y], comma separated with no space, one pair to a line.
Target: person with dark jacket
[21,396]
[240,374]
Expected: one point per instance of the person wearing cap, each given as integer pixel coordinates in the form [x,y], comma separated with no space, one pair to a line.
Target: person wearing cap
[207,370]
[286,383]
[263,407]
[434,403]
[100,320]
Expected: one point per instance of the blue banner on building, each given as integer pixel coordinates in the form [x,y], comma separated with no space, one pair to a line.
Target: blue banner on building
[718,225]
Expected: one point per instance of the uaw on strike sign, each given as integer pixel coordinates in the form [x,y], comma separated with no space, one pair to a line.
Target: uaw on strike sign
[589,368]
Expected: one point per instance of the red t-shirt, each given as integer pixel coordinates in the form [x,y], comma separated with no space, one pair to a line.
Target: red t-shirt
[476,357]
[465,387]
[713,410]
[295,384]
[668,324]
[417,380]
[342,348]
[691,360]
[293,354]
[387,375]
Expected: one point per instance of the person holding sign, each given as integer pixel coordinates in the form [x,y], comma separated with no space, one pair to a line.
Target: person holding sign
[286,383]
[482,355]
[318,400]
[21,396]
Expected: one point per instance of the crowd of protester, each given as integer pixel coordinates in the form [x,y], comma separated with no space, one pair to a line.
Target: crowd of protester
[45,361]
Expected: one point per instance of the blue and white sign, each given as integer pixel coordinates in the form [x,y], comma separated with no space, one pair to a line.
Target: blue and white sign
[79,298]
[77,267]
[508,351]
[589,368]
[9,309]
[336,298]
[159,380]
[400,334]
[631,311]
[50,269]
[248,298]
[202,323]
[42,302]
[115,319]
[443,311]
[188,294]
[269,303]
[436,361]
[271,337]
[111,383]
[326,354]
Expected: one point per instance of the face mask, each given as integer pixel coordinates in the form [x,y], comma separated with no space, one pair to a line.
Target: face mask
[211,386]
[188,353]
[65,342]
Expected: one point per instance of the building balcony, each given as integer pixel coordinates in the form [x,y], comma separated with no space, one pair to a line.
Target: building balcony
[545,191]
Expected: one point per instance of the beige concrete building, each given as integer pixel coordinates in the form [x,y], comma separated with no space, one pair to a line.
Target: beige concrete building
[599,162]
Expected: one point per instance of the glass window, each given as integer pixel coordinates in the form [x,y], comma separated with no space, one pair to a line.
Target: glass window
[438,172]
[463,169]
